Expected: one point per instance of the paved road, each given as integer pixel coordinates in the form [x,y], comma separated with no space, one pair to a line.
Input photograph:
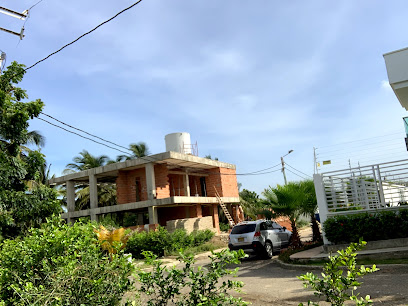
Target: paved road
[267,283]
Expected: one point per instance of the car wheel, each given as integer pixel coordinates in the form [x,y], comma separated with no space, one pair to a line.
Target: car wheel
[268,250]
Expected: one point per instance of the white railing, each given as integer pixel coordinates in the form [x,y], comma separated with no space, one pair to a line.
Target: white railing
[366,188]
[362,189]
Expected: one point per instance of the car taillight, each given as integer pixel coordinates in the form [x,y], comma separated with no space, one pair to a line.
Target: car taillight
[257,234]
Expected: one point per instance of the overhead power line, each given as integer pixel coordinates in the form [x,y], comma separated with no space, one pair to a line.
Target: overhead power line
[297,170]
[75,40]
[342,143]
[81,135]
[85,132]
[296,174]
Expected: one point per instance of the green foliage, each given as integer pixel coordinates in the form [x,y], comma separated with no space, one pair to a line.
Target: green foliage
[20,208]
[285,201]
[190,285]
[251,203]
[60,264]
[375,226]
[161,241]
[224,227]
[335,285]
[138,150]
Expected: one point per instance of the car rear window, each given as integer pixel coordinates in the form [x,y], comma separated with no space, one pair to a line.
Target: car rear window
[243,229]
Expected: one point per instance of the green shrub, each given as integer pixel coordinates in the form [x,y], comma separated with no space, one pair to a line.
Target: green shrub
[161,242]
[335,285]
[224,227]
[375,226]
[60,264]
[191,285]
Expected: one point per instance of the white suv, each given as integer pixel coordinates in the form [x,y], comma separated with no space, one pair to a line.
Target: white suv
[262,237]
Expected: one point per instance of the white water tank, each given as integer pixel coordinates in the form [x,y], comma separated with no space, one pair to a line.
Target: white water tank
[178,142]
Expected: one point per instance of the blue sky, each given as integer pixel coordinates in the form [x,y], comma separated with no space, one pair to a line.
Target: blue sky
[248,80]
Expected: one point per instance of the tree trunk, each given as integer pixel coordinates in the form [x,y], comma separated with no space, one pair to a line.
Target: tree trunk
[315,229]
[295,239]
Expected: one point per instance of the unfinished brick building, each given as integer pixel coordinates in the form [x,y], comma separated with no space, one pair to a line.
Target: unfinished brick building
[165,186]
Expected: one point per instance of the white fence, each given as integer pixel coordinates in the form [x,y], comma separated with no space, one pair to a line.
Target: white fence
[369,188]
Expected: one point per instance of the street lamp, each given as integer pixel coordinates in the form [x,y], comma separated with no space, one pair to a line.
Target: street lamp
[283,165]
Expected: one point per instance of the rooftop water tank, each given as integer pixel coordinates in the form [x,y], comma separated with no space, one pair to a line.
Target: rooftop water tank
[178,142]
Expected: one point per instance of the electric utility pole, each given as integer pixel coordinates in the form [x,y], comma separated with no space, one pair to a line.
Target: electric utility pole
[2,59]
[283,166]
[21,16]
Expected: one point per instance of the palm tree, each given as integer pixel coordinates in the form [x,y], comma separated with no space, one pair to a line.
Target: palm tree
[106,196]
[86,161]
[309,206]
[139,150]
[106,191]
[284,201]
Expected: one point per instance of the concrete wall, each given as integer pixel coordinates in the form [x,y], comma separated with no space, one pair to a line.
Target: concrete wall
[191,224]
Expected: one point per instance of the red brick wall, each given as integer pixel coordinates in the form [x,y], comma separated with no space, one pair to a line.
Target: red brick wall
[176,185]
[162,181]
[121,187]
[224,180]
[126,186]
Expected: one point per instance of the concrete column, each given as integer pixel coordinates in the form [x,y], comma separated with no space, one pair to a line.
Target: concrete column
[199,211]
[150,182]
[70,198]
[153,218]
[186,183]
[93,195]
[321,202]
[216,220]
[235,212]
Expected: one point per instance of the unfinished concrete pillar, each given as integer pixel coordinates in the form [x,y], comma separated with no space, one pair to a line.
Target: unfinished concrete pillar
[216,221]
[186,183]
[93,195]
[199,211]
[153,218]
[70,199]
[150,182]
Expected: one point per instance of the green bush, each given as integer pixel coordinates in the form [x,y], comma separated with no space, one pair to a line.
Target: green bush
[340,278]
[224,227]
[161,241]
[375,226]
[191,285]
[60,264]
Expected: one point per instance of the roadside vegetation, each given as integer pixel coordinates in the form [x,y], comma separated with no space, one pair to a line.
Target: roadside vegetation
[161,242]
[44,261]
[349,228]
[340,278]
